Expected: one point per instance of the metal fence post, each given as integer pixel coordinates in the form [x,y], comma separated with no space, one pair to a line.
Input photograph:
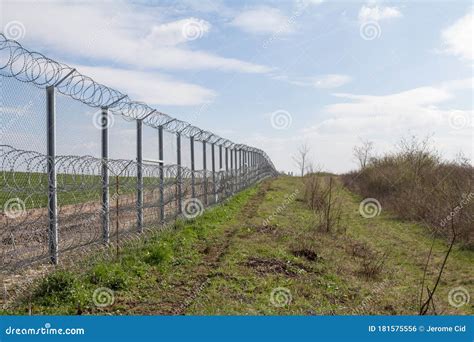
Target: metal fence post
[204,168]
[180,176]
[236,171]
[226,159]
[220,157]
[232,170]
[193,191]
[105,176]
[235,157]
[213,166]
[139,177]
[241,161]
[243,171]
[244,167]
[162,176]
[51,168]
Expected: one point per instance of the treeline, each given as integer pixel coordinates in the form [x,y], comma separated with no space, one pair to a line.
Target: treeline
[416,184]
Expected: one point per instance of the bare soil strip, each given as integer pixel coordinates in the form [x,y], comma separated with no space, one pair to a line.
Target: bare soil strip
[183,291]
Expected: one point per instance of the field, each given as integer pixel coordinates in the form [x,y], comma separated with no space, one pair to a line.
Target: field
[72,189]
[261,253]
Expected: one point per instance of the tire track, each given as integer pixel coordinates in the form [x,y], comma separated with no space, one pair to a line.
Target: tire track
[185,292]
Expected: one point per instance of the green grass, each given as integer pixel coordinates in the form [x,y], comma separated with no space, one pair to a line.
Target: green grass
[32,187]
[226,262]
[134,274]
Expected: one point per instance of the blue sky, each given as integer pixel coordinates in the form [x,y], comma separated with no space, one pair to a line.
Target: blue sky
[276,74]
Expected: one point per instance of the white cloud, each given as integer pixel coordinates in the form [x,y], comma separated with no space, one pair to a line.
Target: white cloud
[132,35]
[151,88]
[331,81]
[458,39]
[305,3]
[384,119]
[179,31]
[377,13]
[328,81]
[205,6]
[263,20]
[394,114]
[414,108]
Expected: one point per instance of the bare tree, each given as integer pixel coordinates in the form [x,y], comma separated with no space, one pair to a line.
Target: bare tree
[301,158]
[363,152]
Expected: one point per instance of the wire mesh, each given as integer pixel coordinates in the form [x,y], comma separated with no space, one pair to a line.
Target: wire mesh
[104,190]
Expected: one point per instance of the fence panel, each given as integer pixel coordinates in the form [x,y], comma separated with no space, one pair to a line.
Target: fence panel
[83,164]
[23,193]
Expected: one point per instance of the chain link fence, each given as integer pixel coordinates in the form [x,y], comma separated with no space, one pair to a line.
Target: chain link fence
[83,164]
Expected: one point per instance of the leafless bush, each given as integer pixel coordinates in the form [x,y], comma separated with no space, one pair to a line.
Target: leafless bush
[418,185]
[313,189]
[323,199]
[360,249]
[372,263]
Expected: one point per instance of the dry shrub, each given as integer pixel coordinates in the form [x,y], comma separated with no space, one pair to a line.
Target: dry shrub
[322,197]
[372,265]
[313,190]
[372,262]
[360,249]
[417,185]
[331,210]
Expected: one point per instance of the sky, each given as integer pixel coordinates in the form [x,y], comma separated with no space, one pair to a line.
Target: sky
[274,74]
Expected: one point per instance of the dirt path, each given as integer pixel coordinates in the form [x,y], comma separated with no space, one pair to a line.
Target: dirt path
[182,291]
[289,267]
